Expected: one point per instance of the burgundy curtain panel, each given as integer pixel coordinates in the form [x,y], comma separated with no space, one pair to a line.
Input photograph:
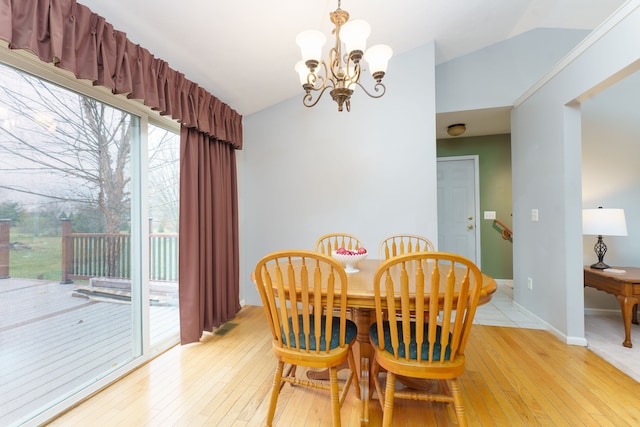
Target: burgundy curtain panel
[208,234]
[75,39]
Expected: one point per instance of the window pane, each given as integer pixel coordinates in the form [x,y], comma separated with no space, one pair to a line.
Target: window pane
[164,187]
[65,188]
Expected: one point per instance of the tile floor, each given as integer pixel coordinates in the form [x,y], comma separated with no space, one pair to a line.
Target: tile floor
[604,331]
[501,311]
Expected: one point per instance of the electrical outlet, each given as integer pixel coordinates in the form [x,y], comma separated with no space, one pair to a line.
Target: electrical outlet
[534,215]
[529,283]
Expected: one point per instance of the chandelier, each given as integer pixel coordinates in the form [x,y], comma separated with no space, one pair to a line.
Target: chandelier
[341,72]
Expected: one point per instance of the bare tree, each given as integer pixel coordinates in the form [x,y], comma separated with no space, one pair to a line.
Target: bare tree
[57,145]
[62,146]
[164,173]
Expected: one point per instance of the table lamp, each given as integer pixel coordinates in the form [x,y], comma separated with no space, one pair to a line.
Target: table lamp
[603,222]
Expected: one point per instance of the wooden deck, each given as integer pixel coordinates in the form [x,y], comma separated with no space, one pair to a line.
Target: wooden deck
[52,342]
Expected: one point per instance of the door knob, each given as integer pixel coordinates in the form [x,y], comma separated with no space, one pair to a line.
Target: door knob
[469,218]
[470,226]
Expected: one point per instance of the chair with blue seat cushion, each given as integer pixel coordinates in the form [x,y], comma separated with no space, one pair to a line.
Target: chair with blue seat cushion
[433,298]
[292,286]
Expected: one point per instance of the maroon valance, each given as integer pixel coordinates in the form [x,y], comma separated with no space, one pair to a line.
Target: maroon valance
[72,37]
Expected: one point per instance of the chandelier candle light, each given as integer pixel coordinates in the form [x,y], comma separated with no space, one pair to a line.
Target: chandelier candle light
[341,72]
[603,222]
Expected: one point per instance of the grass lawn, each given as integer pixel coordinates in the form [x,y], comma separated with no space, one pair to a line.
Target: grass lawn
[36,257]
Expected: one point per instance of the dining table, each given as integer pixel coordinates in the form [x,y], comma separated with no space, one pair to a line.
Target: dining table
[360,300]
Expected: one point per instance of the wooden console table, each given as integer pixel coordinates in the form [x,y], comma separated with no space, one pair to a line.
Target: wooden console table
[626,288]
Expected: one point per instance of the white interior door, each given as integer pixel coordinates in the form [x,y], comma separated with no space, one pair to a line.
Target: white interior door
[458,206]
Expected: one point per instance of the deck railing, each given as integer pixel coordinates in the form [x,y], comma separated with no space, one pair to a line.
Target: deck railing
[86,255]
[5,225]
[163,257]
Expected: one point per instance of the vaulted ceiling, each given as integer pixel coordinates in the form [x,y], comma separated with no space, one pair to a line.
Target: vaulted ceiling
[244,51]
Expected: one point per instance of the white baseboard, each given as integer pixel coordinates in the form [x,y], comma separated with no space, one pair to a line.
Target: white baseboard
[576,341]
[506,282]
[600,311]
[581,341]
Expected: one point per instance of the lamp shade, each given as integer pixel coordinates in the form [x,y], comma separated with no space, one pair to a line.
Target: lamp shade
[354,35]
[378,57]
[310,43]
[604,222]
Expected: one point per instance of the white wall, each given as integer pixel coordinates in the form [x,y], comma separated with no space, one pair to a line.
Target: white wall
[498,75]
[546,153]
[370,172]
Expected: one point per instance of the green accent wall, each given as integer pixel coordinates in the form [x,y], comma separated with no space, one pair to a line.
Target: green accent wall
[494,158]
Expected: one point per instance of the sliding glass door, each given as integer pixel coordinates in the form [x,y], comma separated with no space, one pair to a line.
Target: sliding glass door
[78,246]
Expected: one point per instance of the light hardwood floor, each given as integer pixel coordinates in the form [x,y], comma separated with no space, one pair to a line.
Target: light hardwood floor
[514,377]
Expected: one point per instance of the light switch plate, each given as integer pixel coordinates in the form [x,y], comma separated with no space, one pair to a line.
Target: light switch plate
[489,214]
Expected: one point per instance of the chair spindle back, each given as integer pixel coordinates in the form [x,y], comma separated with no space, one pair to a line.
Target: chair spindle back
[400,244]
[330,242]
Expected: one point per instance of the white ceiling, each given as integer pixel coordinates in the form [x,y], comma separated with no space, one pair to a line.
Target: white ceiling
[244,51]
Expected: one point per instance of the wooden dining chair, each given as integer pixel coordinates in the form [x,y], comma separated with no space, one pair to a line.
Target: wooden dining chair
[300,338]
[432,297]
[332,241]
[400,244]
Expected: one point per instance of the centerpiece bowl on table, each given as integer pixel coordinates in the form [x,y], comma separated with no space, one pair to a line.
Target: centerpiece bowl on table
[349,258]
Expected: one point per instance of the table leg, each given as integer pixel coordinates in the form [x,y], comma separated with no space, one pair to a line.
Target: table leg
[363,318]
[626,305]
